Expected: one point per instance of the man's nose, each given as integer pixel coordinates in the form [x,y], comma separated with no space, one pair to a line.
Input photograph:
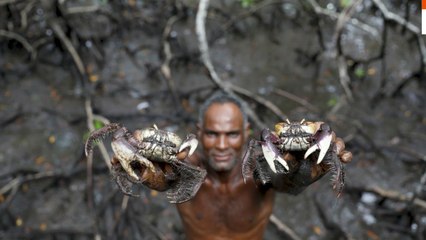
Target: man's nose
[222,142]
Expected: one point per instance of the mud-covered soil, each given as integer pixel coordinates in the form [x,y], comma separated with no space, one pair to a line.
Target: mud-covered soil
[366,79]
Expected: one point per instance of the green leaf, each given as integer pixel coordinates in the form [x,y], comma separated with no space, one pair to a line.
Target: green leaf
[332,102]
[98,124]
[359,72]
[86,136]
[345,3]
[246,3]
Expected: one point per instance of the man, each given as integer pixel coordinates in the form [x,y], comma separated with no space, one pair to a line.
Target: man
[226,207]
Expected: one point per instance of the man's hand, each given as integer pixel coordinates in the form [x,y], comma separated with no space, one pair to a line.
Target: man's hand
[179,178]
[156,179]
[302,172]
[337,147]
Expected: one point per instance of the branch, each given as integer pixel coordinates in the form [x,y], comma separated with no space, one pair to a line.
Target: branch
[390,16]
[333,15]
[394,195]
[342,19]
[227,87]
[17,181]
[203,46]
[395,17]
[165,66]
[21,40]
[266,103]
[4,2]
[82,9]
[24,14]
[89,169]
[284,228]
[68,45]
[118,218]
[296,99]
[344,78]
[90,119]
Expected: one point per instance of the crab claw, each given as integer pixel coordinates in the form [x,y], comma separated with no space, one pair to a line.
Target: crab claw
[322,139]
[271,155]
[191,142]
[270,151]
[126,154]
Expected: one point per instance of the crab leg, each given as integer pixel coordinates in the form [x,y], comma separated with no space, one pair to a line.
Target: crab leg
[247,167]
[322,138]
[191,142]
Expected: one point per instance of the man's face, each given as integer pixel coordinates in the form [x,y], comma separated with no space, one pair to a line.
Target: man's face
[223,135]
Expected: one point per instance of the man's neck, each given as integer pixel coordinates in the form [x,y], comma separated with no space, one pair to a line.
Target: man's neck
[225,177]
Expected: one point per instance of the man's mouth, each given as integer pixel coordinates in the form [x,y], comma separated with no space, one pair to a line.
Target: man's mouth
[222,157]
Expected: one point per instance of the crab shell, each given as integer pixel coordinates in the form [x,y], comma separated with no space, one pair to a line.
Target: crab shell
[296,136]
[150,133]
[163,146]
[305,135]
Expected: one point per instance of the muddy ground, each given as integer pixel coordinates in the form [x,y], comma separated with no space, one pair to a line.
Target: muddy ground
[365,77]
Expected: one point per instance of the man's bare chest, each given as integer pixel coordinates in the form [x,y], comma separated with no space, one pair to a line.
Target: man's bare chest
[233,209]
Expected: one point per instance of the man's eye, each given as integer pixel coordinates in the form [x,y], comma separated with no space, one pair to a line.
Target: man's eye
[233,135]
[210,134]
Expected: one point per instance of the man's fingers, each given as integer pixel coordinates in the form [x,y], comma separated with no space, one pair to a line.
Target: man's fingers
[340,145]
[182,155]
[147,174]
[345,157]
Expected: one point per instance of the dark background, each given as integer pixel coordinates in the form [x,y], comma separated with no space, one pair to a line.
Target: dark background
[358,65]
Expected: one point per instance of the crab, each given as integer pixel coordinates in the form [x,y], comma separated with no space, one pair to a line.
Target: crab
[145,146]
[293,136]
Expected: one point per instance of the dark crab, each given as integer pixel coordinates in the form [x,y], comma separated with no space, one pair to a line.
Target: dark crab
[294,136]
[151,145]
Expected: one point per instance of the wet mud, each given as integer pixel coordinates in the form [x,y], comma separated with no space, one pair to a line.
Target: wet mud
[283,52]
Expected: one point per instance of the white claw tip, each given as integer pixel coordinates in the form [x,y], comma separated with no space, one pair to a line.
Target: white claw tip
[311,150]
[324,145]
[192,143]
[270,157]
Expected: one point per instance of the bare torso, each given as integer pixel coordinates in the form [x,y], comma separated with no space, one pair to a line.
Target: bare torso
[227,210]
